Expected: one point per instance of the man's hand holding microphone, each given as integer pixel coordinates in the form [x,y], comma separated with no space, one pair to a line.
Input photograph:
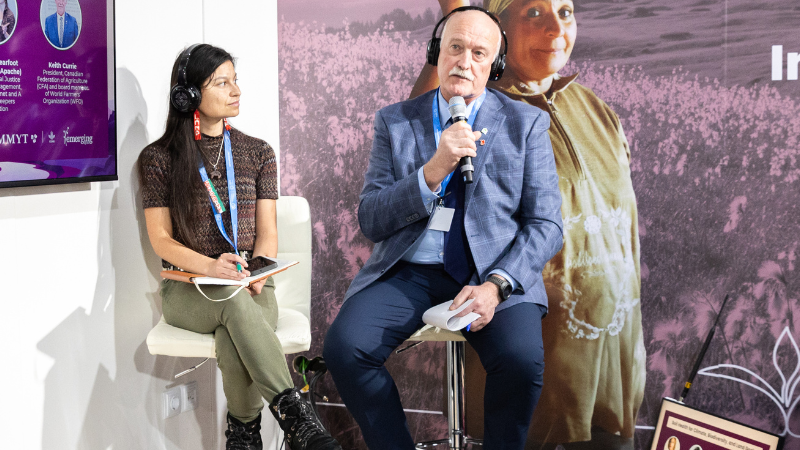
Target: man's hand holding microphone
[457,143]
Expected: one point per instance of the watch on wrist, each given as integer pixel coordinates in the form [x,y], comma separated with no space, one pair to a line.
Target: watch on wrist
[503,284]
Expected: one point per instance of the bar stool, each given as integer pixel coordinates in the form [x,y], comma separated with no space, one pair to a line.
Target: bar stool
[457,438]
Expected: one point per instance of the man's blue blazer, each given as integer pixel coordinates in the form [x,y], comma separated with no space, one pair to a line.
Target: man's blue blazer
[512,215]
[70,30]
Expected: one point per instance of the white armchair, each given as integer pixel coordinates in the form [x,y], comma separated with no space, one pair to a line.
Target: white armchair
[292,289]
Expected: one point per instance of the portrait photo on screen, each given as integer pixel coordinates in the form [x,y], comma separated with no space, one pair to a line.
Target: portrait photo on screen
[61,22]
[8,23]
[57,92]
[672,444]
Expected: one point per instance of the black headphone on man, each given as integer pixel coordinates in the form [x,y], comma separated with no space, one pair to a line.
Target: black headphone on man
[184,97]
[434,45]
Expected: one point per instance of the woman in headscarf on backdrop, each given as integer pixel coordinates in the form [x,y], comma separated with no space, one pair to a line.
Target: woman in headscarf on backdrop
[7,22]
[594,352]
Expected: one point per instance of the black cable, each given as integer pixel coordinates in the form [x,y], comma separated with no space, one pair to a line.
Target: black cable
[702,354]
[312,385]
[318,368]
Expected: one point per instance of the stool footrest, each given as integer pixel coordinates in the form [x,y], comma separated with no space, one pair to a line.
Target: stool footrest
[441,444]
[192,369]
[432,444]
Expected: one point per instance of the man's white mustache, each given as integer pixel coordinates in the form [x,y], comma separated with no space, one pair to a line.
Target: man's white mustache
[459,72]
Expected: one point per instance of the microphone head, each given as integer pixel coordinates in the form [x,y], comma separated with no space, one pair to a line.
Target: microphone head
[458,108]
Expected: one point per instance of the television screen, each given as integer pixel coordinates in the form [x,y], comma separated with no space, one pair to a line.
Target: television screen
[57,103]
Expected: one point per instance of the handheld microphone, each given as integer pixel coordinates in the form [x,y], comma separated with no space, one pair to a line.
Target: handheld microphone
[458,111]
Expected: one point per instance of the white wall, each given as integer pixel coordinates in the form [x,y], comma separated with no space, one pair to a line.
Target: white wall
[76,373]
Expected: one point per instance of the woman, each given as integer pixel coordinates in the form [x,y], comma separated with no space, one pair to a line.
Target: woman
[672,444]
[198,145]
[594,351]
[7,21]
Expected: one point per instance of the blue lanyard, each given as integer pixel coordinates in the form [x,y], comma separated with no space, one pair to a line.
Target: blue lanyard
[231,194]
[437,126]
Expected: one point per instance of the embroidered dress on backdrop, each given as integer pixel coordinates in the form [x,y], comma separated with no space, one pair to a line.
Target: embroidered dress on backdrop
[594,351]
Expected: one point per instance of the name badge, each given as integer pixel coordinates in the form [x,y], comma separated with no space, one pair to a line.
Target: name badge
[442,218]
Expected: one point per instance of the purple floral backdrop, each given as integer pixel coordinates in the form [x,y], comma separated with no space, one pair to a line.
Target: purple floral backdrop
[715,167]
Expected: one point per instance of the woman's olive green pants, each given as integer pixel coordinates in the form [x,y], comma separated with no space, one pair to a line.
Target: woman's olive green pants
[249,355]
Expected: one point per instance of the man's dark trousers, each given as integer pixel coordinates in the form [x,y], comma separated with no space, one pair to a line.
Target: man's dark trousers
[376,320]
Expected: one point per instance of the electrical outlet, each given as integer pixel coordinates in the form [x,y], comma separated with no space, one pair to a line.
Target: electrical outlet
[173,401]
[189,396]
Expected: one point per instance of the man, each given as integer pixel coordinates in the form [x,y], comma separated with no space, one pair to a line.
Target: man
[60,28]
[505,226]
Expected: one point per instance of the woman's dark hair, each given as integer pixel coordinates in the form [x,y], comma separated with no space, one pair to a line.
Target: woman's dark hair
[178,140]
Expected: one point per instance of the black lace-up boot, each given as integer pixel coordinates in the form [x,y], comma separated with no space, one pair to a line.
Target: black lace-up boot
[296,418]
[243,436]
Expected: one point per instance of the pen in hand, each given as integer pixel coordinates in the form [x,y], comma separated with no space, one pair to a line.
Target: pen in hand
[238,267]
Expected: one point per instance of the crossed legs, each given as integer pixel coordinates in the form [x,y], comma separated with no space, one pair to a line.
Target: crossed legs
[249,354]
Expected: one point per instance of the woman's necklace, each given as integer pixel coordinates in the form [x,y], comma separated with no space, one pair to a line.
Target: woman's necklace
[215,175]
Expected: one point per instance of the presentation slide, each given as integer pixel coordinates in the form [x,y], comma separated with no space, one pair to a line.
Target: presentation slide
[57,120]
[684,428]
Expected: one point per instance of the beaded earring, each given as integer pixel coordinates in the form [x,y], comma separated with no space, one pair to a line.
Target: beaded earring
[197,125]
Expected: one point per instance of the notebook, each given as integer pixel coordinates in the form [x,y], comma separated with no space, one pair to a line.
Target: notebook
[188,277]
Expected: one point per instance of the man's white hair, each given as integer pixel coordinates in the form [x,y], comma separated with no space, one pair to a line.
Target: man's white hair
[499,31]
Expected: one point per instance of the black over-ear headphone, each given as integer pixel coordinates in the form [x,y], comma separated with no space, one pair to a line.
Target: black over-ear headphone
[183,96]
[434,45]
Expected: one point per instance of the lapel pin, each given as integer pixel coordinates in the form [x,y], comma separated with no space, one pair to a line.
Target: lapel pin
[483,141]
[484,131]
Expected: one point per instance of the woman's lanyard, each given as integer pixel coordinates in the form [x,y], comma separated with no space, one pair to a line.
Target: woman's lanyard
[217,207]
[437,126]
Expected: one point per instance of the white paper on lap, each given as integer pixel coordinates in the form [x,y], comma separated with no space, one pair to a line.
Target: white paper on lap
[440,316]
